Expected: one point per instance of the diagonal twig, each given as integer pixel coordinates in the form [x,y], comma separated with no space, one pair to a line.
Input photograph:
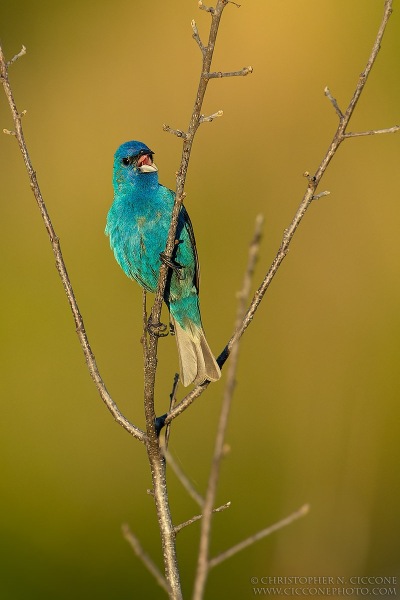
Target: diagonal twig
[61,268]
[203,557]
[144,557]
[196,37]
[198,517]
[333,101]
[171,405]
[22,52]
[185,481]
[178,132]
[258,536]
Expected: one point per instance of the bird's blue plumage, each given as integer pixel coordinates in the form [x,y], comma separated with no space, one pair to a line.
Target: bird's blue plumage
[137,224]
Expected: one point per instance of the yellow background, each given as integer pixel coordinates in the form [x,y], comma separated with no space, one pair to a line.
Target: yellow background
[315,417]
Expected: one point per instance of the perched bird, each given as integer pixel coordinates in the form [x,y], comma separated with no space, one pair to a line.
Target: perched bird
[137,224]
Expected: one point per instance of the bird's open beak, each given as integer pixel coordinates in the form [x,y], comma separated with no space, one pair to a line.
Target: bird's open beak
[145,164]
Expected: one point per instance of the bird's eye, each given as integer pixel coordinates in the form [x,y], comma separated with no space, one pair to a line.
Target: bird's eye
[126,161]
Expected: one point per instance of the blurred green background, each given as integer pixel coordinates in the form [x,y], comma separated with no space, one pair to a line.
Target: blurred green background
[316,411]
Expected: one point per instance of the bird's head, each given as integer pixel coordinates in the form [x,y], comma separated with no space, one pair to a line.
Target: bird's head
[133,161]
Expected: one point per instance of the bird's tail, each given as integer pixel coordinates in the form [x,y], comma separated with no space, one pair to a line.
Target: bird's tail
[196,361]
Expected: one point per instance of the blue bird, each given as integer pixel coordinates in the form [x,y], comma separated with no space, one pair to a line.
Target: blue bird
[138,224]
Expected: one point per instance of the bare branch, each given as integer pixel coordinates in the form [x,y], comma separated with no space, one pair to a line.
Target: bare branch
[218,74]
[22,52]
[144,557]
[334,102]
[196,36]
[393,129]
[61,268]
[198,517]
[322,194]
[185,481]
[178,132]
[211,118]
[209,9]
[203,557]
[258,536]
[171,406]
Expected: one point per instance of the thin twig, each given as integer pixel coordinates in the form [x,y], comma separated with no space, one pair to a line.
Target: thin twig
[178,132]
[171,406]
[333,102]
[185,481]
[321,195]
[61,268]
[308,197]
[209,9]
[352,134]
[258,536]
[198,517]
[144,557]
[203,556]
[22,52]
[219,74]
[204,119]
[196,36]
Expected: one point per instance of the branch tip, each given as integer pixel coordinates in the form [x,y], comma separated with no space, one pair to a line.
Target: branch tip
[209,9]
[333,101]
[204,119]
[317,196]
[219,74]
[196,36]
[393,129]
[198,517]
[301,512]
[22,52]
[178,132]
[136,546]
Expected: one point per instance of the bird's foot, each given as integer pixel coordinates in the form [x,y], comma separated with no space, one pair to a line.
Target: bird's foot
[157,329]
[171,328]
[171,264]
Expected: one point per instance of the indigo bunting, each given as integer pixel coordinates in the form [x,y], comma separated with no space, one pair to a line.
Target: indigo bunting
[137,224]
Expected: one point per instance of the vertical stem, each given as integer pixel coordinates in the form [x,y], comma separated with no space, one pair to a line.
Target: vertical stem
[203,562]
[186,151]
[158,473]
[156,459]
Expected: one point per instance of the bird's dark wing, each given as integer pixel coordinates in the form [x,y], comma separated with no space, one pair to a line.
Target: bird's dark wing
[189,228]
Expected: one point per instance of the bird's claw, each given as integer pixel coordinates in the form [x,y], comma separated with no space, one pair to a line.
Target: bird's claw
[157,329]
[171,264]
